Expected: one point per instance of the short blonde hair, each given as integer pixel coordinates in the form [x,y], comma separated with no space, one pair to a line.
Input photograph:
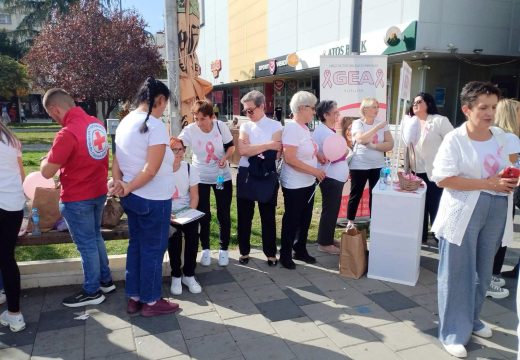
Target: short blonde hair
[302,98]
[367,102]
[506,116]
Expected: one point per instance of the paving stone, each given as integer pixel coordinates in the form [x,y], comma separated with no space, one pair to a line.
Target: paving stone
[418,318]
[367,286]
[236,307]
[373,350]
[191,304]
[430,263]
[347,332]
[328,284]
[392,300]
[425,352]
[235,267]
[143,326]
[55,295]
[505,322]
[266,347]
[317,349]
[252,279]
[291,279]
[491,308]
[59,341]
[427,301]
[201,325]
[305,295]
[106,343]
[326,312]
[16,353]
[215,277]
[223,292]
[71,354]
[371,315]
[306,330]
[102,320]
[123,356]
[406,290]
[505,344]
[160,346]
[278,310]
[265,293]
[427,277]
[399,336]
[26,337]
[60,319]
[250,326]
[349,297]
[215,347]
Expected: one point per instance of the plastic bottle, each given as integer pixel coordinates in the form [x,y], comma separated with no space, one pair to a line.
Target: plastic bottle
[388,171]
[36,222]
[220,179]
[382,178]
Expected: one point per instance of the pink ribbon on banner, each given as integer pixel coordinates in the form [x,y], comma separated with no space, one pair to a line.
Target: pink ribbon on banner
[210,149]
[326,79]
[491,165]
[379,80]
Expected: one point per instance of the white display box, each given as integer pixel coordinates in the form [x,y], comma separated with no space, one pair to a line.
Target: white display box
[395,235]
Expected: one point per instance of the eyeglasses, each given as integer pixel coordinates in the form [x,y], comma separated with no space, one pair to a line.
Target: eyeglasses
[249,111]
[313,108]
[415,103]
[177,150]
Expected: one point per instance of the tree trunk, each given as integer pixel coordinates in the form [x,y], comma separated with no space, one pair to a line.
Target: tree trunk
[110,106]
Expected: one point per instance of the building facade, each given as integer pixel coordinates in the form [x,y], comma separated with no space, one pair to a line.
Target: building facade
[275,46]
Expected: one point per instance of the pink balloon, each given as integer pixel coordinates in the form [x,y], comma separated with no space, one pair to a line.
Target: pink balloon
[34,180]
[334,147]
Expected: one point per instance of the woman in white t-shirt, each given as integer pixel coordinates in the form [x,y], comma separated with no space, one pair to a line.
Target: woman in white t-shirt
[298,179]
[185,195]
[337,174]
[211,143]
[507,118]
[473,217]
[143,177]
[372,138]
[12,201]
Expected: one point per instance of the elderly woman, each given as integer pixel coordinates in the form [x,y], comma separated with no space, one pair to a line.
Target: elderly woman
[259,138]
[298,178]
[211,143]
[473,217]
[433,128]
[372,138]
[336,176]
[185,196]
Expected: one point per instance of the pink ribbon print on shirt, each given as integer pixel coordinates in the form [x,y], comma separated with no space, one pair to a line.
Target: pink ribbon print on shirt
[210,150]
[175,193]
[492,162]
[375,139]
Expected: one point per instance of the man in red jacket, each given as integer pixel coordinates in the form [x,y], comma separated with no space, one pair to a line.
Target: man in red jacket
[80,153]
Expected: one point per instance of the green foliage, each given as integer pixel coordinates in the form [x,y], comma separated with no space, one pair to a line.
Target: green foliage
[10,47]
[13,77]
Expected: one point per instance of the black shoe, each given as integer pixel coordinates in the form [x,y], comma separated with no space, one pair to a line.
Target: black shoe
[305,257]
[107,287]
[511,273]
[82,299]
[272,262]
[243,260]
[288,264]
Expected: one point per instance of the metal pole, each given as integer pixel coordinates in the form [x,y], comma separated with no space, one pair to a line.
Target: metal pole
[355,27]
[172,64]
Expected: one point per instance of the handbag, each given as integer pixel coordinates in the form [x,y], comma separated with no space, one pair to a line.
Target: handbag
[259,181]
[353,254]
[111,213]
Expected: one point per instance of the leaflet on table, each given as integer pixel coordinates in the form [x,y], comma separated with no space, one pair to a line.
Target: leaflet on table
[186,215]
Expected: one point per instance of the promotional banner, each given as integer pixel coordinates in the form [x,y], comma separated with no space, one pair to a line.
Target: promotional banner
[349,79]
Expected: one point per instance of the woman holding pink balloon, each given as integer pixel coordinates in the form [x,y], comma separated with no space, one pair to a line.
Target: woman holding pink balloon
[12,202]
[333,149]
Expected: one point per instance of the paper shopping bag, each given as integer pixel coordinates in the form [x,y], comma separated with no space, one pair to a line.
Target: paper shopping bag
[353,254]
[47,202]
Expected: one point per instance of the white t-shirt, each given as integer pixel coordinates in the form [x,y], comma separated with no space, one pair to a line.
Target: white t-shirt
[132,149]
[337,170]
[513,143]
[491,159]
[298,135]
[365,158]
[208,149]
[259,132]
[11,190]
[183,180]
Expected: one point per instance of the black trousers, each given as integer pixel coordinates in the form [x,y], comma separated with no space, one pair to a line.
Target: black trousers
[331,191]
[433,198]
[245,213]
[358,180]
[223,199]
[498,262]
[296,220]
[191,246]
[10,222]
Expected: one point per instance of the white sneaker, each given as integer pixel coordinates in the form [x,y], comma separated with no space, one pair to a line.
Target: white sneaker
[456,350]
[223,258]
[15,322]
[497,280]
[192,284]
[176,288]
[2,297]
[485,332]
[205,259]
[497,292]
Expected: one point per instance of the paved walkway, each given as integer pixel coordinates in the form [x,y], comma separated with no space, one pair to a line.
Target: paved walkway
[259,312]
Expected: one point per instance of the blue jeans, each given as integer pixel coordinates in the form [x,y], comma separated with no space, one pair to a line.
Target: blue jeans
[148,225]
[83,219]
[465,271]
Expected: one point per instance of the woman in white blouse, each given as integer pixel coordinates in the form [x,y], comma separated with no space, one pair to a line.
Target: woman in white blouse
[473,218]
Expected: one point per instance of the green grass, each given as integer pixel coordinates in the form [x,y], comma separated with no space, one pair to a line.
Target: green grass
[52,125]
[36,137]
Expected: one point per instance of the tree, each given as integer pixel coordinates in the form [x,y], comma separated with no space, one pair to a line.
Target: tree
[13,78]
[9,47]
[95,55]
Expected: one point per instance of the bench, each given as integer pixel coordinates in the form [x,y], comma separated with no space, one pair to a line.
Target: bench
[63,237]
